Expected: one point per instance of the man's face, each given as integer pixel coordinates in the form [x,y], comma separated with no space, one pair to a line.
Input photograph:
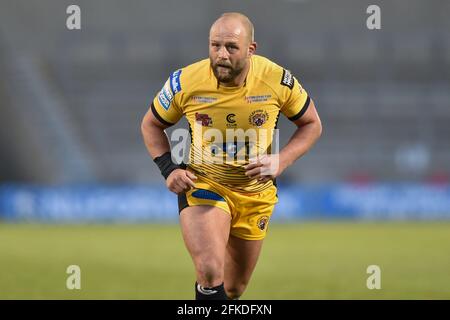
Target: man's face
[228,50]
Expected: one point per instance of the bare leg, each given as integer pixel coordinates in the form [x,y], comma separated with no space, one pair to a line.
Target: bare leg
[205,232]
[240,261]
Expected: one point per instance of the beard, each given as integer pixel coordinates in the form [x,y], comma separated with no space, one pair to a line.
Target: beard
[225,72]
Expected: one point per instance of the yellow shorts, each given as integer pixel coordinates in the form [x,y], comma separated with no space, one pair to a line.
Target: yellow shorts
[250,213]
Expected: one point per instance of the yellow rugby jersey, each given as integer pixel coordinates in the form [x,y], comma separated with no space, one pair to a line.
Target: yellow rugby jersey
[230,125]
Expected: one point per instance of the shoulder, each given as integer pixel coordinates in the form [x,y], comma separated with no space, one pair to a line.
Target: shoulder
[188,77]
[274,75]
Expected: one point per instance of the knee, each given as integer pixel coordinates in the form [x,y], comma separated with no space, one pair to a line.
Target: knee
[235,290]
[209,272]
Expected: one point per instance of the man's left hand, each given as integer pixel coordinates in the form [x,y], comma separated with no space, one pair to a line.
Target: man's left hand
[264,168]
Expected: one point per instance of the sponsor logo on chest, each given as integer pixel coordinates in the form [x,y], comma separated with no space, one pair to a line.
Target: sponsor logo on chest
[204,119]
[259,98]
[203,99]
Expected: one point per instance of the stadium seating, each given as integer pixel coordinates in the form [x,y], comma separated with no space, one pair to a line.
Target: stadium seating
[383,96]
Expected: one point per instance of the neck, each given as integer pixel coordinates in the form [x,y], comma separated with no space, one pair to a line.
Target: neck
[240,79]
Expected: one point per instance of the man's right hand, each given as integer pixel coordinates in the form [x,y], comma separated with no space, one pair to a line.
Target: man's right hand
[180,181]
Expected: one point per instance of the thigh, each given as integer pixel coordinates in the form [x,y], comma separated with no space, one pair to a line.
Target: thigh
[252,212]
[205,231]
[240,261]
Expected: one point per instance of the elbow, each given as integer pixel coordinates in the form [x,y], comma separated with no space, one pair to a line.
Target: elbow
[144,127]
[319,128]
[316,120]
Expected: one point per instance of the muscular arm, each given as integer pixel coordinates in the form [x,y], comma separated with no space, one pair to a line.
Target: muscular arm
[155,138]
[157,143]
[309,129]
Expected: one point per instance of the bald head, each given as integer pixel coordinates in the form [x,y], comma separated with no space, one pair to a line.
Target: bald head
[231,46]
[237,23]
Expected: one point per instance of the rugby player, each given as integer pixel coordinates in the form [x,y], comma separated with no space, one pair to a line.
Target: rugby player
[225,206]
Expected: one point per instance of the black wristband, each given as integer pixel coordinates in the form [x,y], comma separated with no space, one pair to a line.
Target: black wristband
[165,164]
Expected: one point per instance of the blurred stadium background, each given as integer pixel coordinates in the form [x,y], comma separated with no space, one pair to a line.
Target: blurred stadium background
[78,187]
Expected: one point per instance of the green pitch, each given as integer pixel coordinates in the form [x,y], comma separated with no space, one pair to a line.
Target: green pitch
[299,261]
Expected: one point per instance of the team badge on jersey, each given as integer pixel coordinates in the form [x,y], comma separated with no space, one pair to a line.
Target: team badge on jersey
[204,119]
[258,118]
[262,222]
[287,79]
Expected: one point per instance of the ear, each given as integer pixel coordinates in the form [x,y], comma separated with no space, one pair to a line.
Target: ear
[252,49]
